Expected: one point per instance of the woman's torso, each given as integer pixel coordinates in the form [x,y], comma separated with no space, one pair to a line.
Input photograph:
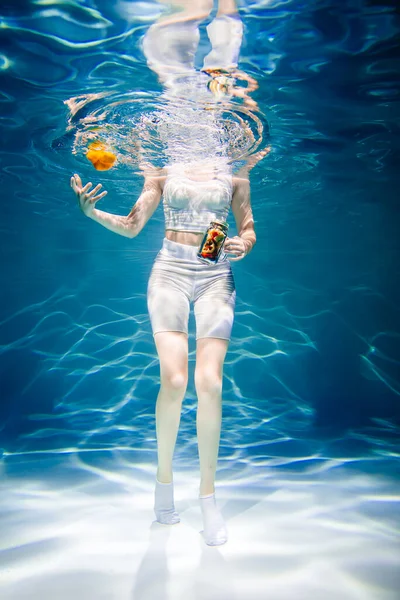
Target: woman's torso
[206,189]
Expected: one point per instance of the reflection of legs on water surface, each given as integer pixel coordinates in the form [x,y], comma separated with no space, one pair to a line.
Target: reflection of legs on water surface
[172,349]
[170,44]
[225,33]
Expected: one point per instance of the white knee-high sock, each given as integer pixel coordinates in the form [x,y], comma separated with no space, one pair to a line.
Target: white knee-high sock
[164,507]
[215,532]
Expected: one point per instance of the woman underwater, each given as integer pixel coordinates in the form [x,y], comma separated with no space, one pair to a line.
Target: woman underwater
[194,193]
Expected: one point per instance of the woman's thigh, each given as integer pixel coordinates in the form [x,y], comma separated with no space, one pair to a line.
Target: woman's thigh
[210,354]
[172,350]
[214,304]
[210,357]
[168,300]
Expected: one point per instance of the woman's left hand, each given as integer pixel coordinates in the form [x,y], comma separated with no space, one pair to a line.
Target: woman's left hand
[236,246]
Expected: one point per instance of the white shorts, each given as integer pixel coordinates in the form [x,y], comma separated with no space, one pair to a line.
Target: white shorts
[177,278]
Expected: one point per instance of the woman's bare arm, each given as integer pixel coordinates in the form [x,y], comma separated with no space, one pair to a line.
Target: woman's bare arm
[252,161]
[242,244]
[130,225]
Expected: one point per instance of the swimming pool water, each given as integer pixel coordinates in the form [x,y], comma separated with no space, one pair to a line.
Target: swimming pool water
[311,381]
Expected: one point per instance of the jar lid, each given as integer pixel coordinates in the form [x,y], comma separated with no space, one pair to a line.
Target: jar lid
[223,223]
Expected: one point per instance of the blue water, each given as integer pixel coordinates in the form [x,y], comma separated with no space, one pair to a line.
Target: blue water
[311,381]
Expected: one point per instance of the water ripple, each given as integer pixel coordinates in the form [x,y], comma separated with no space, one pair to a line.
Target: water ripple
[311,382]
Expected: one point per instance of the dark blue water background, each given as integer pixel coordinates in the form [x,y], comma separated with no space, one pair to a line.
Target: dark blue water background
[312,371]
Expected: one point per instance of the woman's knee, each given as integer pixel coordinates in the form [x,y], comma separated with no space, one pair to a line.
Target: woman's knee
[174,382]
[208,381]
[172,348]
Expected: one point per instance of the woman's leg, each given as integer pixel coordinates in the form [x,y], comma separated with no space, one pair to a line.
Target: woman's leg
[172,349]
[208,379]
[210,356]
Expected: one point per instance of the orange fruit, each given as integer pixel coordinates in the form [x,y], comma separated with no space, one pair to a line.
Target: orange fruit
[101,159]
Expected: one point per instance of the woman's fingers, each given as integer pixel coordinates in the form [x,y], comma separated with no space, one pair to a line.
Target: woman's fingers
[83,191]
[94,191]
[234,246]
[86,188]
[73,185]
[235,259]
[99,197]
[86,198]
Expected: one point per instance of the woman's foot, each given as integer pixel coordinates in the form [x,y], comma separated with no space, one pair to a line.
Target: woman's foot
[215,532]
[164,507]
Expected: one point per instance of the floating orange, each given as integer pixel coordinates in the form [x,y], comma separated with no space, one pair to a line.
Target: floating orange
[101,159]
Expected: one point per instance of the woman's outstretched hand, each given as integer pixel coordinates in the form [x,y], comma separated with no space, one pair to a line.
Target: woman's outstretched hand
[87,199]
[236,246]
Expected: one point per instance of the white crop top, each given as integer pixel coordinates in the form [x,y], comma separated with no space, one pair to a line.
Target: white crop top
[191,205]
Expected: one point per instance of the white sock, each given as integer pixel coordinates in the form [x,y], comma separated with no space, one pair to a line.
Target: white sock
[164,503]
[215,532]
